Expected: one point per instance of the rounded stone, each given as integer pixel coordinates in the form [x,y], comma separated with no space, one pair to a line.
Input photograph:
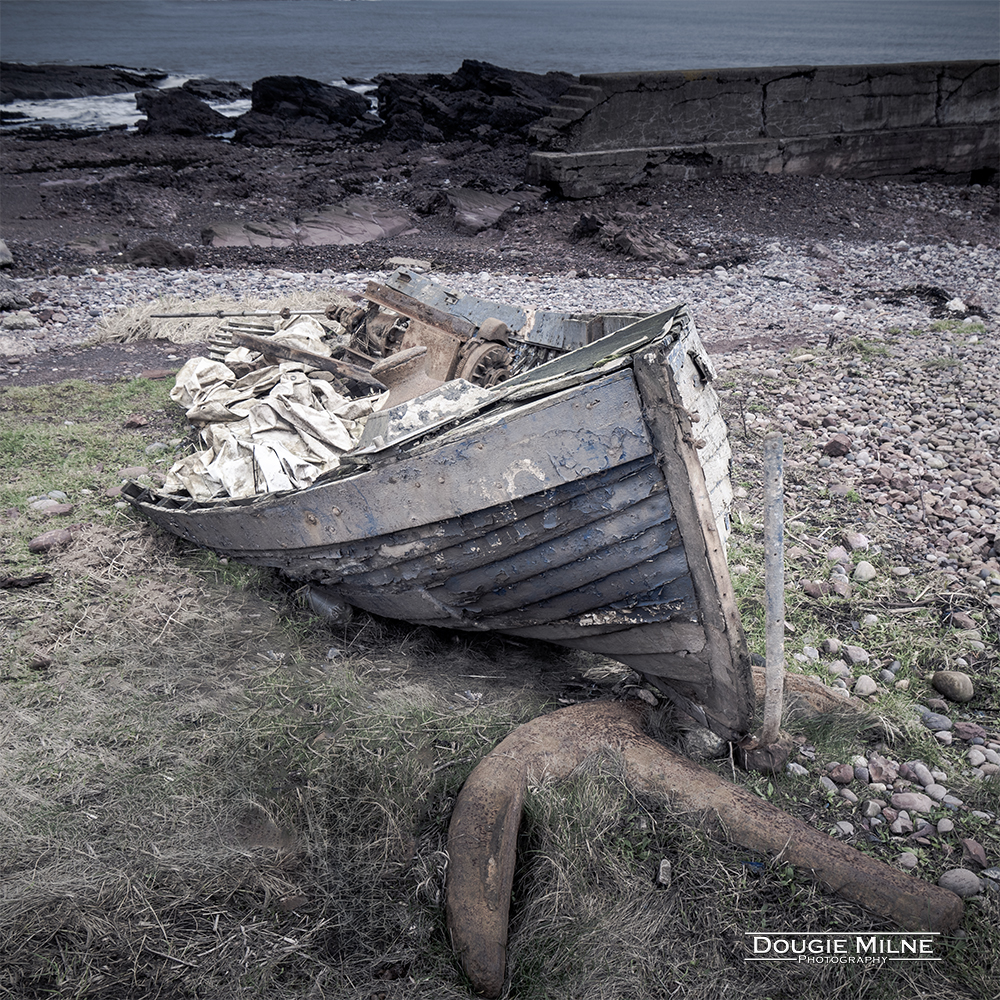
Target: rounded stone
[907,860]
[935,722]
[954,685]
[960,881]
[864,572]
[842,774]
[864,686]
[913,801]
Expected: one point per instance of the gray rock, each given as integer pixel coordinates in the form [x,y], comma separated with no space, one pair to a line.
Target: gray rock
[913,801]
[864,686]
[881,769]
[945,825]
[961,881]
[827,785]
[855,654]
[855,539]
[954,685]
[20,321]
[907,860]
[797,769]
[935,722]
[665,874]
[864,572]
[936,791]
[901,824]
[6,257]
[844,829]
[921,772]
[872,807]
[11,296]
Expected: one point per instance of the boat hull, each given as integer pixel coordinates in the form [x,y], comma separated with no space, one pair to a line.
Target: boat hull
[583,516]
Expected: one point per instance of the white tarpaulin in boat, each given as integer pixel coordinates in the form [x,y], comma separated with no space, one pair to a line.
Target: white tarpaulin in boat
[276,428]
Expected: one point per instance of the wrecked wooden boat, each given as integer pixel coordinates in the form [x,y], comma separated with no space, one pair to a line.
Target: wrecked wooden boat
[584,502]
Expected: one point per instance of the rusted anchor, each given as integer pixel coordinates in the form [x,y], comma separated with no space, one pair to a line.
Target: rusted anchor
[482,836]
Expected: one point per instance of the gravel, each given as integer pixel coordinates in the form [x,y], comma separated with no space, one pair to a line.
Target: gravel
[858,344]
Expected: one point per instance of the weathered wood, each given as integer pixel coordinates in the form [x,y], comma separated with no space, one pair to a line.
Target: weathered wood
[774,586]
[511,455]
[551,511]
[344,369]
[670,427]
[406,305]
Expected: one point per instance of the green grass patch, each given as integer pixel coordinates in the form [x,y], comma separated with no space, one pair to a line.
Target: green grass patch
[71,438]
[867,349]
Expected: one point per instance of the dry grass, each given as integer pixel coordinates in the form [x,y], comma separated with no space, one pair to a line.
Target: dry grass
[136,322]
[208,793]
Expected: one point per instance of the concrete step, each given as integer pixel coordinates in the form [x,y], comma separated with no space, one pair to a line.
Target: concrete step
[594,94]
[572,101]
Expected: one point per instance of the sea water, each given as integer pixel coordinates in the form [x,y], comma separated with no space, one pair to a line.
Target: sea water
[330,40]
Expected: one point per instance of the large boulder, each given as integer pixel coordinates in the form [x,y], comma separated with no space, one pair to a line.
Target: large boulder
[292,97]
[210,89]
[176,112]
[480,99]
[295,108]
[19,82]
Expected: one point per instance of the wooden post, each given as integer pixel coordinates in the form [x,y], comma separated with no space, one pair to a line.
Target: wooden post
[774,586]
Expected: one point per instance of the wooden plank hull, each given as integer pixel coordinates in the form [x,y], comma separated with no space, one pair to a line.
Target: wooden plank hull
[590,511]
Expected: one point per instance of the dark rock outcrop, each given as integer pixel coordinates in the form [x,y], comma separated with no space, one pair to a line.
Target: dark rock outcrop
[19,82]
[625,234]
[289,108]
[209,89]
[159,253]
[177,112]
[293,97]
[480,100]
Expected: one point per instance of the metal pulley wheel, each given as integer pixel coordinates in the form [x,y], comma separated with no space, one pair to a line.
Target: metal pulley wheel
[486,365]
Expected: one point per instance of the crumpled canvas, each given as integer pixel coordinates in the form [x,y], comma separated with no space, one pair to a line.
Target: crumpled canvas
[274,429]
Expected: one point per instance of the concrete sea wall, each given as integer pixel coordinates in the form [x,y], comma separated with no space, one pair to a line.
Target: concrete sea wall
[907,121]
